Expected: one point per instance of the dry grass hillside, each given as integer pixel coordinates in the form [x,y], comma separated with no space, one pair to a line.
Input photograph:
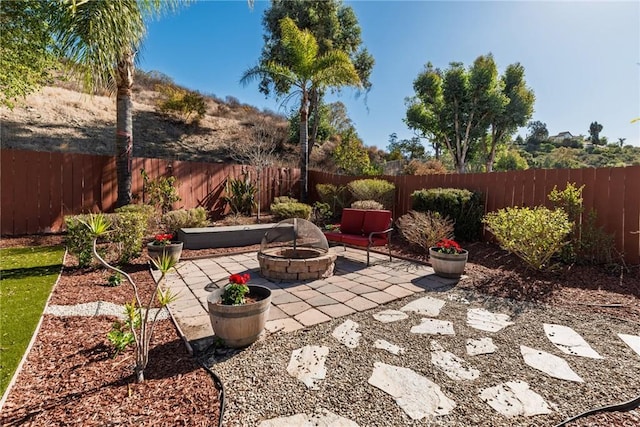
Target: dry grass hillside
[62,118]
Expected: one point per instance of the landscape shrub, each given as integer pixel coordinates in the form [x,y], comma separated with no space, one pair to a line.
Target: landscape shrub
[589,244]
[78,239]
[291,210]
[428,167]
[367,205]
[127,234]
[241,195]
[160,192]
[284,199]
[465,208]
[424,229]
[336,196]
[322,214]
[185,218]
[148,211]
[533,234]
[373,189]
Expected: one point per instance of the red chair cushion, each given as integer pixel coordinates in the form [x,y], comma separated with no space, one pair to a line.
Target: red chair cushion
[350,239]
[351,222]
[377,220]
[333,236]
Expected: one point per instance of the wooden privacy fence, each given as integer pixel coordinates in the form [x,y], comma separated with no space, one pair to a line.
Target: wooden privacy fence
[37,189]
[614,193]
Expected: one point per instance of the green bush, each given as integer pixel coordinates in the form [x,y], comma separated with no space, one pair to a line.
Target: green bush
[127,233]
[322,214]
[465,208]
[595,246]
[535,235]
[160,192]
[78,239]
[424,229]
[335,196]
[291,210]
[284,199]
[373,189]
[185,218]
[370,205]
[148,211]
[185,105]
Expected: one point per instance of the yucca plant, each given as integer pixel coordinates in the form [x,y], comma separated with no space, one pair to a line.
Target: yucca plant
[241,195]
[138,319]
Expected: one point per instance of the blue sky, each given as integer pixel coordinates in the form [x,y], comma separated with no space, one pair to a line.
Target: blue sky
[582,59]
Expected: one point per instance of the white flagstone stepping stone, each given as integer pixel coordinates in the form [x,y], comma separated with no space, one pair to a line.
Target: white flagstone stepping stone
[388,316]
[346,333]
[386,345]
[482,319]
[480,346]
[307,365]
[453,366]
[323,419]
[515,398]
[426,306]
[434,327]
[569,341]
[548,363]
[632,341]
[416,395]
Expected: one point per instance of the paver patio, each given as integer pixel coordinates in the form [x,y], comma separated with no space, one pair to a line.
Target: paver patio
[353,287]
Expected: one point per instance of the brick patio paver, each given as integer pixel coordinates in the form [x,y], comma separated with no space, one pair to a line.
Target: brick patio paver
[342,295]
[320,300]
[275,313]
[283,325]
[399,291]
[336,310]
[312,317]
[294,308]
[379,297]
[361,304]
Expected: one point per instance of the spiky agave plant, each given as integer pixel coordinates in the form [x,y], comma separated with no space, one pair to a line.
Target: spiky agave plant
[139,321]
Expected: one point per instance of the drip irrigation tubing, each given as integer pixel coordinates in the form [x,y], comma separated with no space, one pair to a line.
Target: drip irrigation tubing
[220,386]
[624,406]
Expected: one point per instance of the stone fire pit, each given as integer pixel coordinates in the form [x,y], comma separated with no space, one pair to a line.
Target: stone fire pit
[295,249]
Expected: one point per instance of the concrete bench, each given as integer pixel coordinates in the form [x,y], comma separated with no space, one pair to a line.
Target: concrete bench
[363,228]
[222,237]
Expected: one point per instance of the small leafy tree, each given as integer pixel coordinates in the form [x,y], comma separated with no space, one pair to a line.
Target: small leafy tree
[138,321]
[186,105]
[161,192]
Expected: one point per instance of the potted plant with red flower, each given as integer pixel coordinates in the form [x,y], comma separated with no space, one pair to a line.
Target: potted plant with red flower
[448,259]
[238,311]
[164,244]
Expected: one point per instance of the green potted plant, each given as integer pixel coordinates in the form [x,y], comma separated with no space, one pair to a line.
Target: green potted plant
[448,259]
[238,311]
[164,244]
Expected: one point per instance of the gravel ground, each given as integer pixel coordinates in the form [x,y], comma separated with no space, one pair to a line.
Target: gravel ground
[258,387]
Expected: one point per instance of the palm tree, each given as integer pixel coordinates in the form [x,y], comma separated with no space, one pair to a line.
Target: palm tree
[100,39]
[304,70]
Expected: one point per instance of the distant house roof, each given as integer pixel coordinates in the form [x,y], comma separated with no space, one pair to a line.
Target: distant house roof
[562,135]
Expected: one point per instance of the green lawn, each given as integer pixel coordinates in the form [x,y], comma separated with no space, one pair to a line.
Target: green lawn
[27,276]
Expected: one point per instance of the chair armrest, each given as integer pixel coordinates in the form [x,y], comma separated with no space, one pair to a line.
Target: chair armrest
[379,232]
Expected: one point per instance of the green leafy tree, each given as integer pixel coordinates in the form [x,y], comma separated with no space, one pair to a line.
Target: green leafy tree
[409,149]
[306,68]
[594,133]
[510,160]
[100,39]
[26,53]
[351,156]
[514,114]
[334,26]
[454,107]
[537,135]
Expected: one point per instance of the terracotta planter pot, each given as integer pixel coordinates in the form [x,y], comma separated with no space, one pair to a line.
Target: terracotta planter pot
[172,249]
[239,325]
[450,266]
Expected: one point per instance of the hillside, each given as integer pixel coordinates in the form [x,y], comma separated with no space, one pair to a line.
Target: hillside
[62,118]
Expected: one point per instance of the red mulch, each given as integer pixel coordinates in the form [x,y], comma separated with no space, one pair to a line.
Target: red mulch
[71,379]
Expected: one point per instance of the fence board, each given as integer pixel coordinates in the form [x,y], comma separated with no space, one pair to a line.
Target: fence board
[631,229]
[55,189]
[21,194]
[615,216]
[7,187]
